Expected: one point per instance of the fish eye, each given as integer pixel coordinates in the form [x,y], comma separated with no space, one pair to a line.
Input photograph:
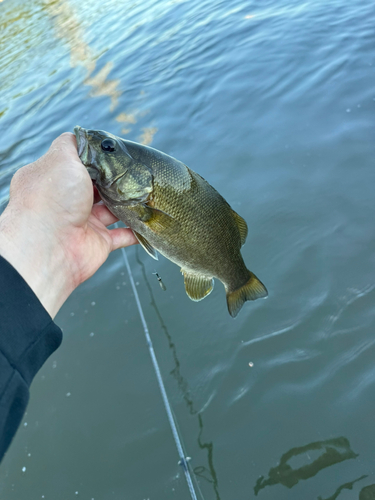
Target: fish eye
[108,145]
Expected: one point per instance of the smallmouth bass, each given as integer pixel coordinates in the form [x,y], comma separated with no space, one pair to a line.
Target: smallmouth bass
[173,210]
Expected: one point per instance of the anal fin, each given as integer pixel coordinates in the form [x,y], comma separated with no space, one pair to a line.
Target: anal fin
[197,286]
[146,245]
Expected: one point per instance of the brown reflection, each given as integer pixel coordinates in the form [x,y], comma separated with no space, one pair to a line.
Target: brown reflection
[334,451]
[68,28]
[102,86]
[367,493]
[346,486]
[129,118]
[126,118]
[148,135]
[20,31]
[208,473]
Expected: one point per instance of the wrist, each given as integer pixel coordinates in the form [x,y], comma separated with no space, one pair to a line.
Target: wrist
[37,257]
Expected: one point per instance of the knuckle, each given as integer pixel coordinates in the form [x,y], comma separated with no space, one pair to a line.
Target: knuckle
[18,177]
[63,146]
[63,139]
[19,185]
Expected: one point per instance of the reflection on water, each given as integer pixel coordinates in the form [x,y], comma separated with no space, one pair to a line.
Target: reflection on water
[148,135]
[346,486]
[367,493]
[210,473]
[68,28]
[101,86]
[21,23]
[207,473]
[126,118]
[335,451]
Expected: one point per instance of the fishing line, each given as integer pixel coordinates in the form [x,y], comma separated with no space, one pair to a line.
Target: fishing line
[183,462]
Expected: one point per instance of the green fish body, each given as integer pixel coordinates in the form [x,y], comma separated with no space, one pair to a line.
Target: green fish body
[173,210]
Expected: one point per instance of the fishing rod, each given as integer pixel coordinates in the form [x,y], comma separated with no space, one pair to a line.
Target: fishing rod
[183,459]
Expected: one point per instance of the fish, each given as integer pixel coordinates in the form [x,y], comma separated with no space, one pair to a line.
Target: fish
[174,211]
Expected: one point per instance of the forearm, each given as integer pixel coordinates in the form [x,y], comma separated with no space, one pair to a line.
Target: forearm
[41,263]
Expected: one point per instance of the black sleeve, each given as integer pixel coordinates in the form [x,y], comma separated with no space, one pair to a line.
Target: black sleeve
[28,336]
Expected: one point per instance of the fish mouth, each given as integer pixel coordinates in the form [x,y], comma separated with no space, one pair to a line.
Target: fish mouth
[85,152]
[82,142]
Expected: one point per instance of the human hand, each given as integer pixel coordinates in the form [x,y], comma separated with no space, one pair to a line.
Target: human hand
[50,231]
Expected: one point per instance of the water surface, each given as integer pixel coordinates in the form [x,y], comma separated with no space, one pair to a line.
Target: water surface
[274,105]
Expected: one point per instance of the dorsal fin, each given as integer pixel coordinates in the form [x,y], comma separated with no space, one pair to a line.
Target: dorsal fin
[242,226]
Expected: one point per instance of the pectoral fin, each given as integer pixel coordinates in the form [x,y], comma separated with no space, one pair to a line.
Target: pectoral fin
[197,286]
[146,245]
[155,219]
[242,226]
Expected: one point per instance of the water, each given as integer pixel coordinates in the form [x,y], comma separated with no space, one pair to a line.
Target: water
[274,104]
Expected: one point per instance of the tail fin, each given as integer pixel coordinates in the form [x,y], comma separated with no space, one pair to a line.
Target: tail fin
[253,289]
